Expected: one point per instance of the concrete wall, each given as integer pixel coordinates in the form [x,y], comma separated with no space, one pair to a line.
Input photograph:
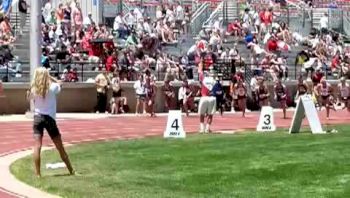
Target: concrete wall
[81,97]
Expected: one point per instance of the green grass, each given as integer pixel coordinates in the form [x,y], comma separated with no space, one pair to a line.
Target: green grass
[242,165]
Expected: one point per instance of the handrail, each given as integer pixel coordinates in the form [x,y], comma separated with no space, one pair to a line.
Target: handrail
[213,16]
[198,11]
[198,18]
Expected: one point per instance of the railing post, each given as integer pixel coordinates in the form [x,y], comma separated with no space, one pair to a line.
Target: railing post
[295,72]
[82,72]
[7,74]
[312,19]
[288,20]
[303,17]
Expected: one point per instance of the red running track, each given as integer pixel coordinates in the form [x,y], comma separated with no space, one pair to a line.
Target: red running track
[16,136]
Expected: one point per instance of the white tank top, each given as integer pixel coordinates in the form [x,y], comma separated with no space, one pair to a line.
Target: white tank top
[325,90]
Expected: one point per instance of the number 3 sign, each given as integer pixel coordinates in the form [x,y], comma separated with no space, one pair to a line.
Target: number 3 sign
[174,128]
[266,121]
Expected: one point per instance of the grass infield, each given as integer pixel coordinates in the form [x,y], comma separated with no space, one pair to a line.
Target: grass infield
[241,165]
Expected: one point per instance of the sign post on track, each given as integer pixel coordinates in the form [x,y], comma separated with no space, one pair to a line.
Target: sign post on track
[174,128]
[306,108]
[266,120]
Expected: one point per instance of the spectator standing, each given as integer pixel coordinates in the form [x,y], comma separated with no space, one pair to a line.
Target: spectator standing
[47,11]
[44,90]
[22,8]
[102,84]
[88,20]
[324,23]
[77,17]
[140,90]
[218,92]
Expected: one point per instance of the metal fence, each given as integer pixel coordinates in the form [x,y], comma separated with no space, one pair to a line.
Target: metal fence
[225,68]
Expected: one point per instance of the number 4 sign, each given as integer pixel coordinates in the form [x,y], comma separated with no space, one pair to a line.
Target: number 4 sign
[266,121]
[174,128]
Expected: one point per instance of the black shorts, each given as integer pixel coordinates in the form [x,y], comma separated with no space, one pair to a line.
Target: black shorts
[42,122]
[325,97]
[141,97]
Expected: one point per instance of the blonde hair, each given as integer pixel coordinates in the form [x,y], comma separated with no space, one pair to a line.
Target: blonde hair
[41,82]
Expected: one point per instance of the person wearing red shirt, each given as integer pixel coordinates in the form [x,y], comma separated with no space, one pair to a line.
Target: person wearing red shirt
[111,62]
[234,29]
[335,64]
[207,103]
[272,45]
[266,17]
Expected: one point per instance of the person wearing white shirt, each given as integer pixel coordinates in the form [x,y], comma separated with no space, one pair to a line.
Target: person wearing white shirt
[147,27]
[88,20]
[180,14]
[47,11]
[52,34]
[140,90]
[43,91]
[324,23]
[118,22]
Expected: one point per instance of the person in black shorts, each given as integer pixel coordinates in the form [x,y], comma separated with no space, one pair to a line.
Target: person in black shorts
[43,91]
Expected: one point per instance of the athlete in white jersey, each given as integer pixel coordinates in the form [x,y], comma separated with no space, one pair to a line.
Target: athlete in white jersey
[207,103]
[344,93]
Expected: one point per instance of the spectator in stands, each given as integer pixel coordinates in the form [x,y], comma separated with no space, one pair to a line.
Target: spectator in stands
[22,8]
[6,26]
[111,62]
[59,14]
[324,23]
[77,17]
[88,20]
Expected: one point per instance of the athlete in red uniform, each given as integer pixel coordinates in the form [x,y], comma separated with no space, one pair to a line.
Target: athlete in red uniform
[323,92]
[302,89]
[281,96]
[150,89]
[263,94]
[207,103]
[344,93]
[240,91]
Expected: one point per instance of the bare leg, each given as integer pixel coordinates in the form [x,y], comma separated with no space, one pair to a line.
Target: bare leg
[243,106]
[284,106]
[185,107]
[117,106]
[59,146]
[201,120]
[36,154]
[137,106]
[209,121]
